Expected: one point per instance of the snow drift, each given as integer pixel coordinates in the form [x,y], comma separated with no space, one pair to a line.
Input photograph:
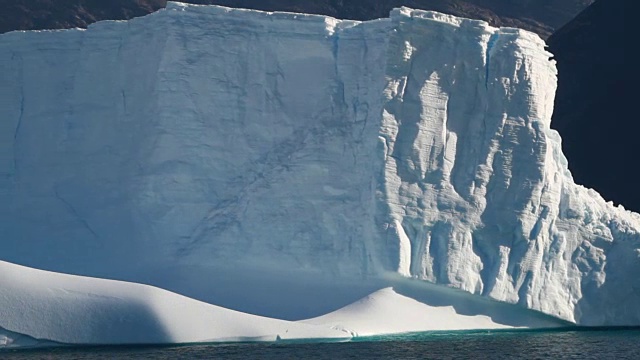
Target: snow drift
[41,308]
[201,145]
[79,310]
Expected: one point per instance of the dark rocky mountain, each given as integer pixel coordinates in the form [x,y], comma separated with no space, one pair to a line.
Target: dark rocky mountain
[540,16]
[593,108]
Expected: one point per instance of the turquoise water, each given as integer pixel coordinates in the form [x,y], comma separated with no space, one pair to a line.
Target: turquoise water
[556,344]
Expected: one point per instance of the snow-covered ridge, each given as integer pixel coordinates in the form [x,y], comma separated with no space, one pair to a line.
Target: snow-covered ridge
[210,141]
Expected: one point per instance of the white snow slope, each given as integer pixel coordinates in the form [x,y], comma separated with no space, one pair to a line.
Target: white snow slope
[393,311]
[207,150]
[80,310]
[41,308]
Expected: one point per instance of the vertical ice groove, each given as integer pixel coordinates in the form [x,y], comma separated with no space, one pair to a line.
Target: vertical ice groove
[21,115]
[405,250]
[20,118]
[335,50]
[124,101]
[490,44]
[15,135]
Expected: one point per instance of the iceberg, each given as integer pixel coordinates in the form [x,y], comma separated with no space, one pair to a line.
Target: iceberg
[288,165]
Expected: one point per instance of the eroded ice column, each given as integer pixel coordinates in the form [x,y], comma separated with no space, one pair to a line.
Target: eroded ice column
[465,151]
[476,188]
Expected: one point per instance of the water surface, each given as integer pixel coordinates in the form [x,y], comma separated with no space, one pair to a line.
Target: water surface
[566,344]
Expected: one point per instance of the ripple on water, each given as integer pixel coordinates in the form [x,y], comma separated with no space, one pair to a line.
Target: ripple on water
[567,344]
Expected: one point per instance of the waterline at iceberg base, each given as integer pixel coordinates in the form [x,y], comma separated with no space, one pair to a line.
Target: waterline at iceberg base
[288,165]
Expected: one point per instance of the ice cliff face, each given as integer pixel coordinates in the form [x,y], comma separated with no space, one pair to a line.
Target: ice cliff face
[417,145]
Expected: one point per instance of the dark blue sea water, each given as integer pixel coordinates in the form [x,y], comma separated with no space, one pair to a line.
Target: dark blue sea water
[583,344]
